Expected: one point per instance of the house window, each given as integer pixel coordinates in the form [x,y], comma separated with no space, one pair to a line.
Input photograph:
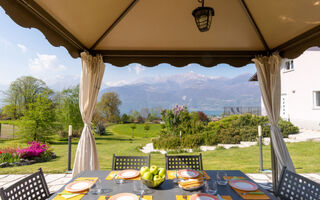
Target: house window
[289,65]
[316,99]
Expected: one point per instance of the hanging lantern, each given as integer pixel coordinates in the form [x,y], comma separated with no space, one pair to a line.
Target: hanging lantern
[203,16]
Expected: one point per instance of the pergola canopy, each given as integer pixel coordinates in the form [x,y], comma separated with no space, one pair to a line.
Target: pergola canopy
[151,32]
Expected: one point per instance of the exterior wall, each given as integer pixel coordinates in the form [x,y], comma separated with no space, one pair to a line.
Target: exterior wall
[297,87]
[297,91]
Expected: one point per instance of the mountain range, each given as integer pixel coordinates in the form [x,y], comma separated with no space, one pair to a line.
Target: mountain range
[197,92]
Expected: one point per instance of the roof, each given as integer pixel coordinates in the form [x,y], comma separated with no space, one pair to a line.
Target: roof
[151,32]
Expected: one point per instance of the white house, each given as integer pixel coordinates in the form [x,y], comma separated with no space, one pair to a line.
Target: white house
[300,90]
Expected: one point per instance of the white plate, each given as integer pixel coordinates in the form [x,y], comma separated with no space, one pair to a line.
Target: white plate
[188,173]
[128,173]
[243,185]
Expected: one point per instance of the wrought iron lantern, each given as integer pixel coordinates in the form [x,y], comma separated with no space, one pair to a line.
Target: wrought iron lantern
[203,16]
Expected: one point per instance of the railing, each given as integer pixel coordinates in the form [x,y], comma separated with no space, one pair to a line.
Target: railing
[239,110]
[8,131]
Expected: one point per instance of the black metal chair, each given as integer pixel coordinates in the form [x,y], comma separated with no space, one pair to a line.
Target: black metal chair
[130,162]
[293,186]
[33,187]
[174,162]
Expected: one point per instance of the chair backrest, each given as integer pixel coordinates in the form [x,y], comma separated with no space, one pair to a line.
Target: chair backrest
[130,162]
[174,162]
[293,186]
[33,187]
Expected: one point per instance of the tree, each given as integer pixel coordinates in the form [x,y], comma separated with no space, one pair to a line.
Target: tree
[133,126]
[68,110]
[144,113]
[146,128]
[38,122]
[125,118]
[134,115]
[108,107]
[22,92]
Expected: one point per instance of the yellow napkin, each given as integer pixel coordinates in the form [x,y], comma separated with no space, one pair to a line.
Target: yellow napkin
[113,173]
[78,197]
[180,197]
[172,174]
[146,197]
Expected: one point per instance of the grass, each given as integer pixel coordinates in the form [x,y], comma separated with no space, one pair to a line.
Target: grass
[304,154]
[124,129]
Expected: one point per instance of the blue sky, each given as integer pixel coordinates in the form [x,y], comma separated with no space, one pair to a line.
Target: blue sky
[27,52]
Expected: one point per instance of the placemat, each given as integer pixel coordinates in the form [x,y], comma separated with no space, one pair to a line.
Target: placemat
[146,197]
[247,196]
[113,173]
[180,197]
[172,174]
[78,197]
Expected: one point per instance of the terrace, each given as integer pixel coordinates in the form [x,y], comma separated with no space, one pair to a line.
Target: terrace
[132,31]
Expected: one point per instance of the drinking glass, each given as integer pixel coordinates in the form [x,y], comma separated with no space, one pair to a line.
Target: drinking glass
[96,188]
[211,187]
[117,180]
[138,187]
[221,178]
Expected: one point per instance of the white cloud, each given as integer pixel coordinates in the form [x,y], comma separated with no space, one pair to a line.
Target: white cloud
[5,43]
[45,63]
[138,69]
[22,47]
[117,83]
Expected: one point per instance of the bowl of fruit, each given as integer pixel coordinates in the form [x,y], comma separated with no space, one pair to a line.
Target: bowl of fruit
[152,177]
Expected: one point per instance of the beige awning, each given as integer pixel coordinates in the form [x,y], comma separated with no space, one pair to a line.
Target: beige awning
[163,31]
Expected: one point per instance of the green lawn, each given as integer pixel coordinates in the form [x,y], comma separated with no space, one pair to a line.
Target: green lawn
[305,154]
[124,129]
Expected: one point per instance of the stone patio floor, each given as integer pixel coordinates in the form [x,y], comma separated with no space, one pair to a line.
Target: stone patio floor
[56,181]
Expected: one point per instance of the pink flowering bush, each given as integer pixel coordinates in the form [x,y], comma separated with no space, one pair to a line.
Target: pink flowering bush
[36,149]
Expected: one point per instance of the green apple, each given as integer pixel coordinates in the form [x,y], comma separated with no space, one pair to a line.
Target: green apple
[144,170]
[162,172]
[156,177]
[148,176]
[154,170]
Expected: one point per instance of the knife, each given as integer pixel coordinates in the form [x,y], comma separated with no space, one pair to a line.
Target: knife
[219,197]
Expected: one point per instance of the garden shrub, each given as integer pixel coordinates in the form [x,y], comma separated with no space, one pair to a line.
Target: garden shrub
[229,130]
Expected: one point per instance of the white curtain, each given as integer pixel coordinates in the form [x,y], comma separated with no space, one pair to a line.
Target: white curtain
[268,71]
[91,77]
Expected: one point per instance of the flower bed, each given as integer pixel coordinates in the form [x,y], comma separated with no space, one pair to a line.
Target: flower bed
[35,152]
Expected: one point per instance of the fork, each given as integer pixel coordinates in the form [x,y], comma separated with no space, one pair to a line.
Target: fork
[245,193]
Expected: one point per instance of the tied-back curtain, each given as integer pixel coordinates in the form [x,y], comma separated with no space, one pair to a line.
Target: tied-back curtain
[91,77]
[268,71]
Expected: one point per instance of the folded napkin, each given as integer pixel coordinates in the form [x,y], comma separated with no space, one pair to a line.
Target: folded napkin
[145,197]
[254,195]
[76,196]
[180,197]
[114,173]
[64,195]
[172,174]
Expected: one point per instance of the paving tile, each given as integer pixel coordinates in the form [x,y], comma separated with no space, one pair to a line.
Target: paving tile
[60,181]
[55,188]
[53,177]
[3,176]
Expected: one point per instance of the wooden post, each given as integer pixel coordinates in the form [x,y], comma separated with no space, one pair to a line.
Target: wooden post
[260,147]
[69,147]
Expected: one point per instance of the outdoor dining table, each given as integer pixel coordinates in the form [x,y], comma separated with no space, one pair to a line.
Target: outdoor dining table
[166,191]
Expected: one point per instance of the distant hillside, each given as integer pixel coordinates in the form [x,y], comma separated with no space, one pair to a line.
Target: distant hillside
[196,91]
